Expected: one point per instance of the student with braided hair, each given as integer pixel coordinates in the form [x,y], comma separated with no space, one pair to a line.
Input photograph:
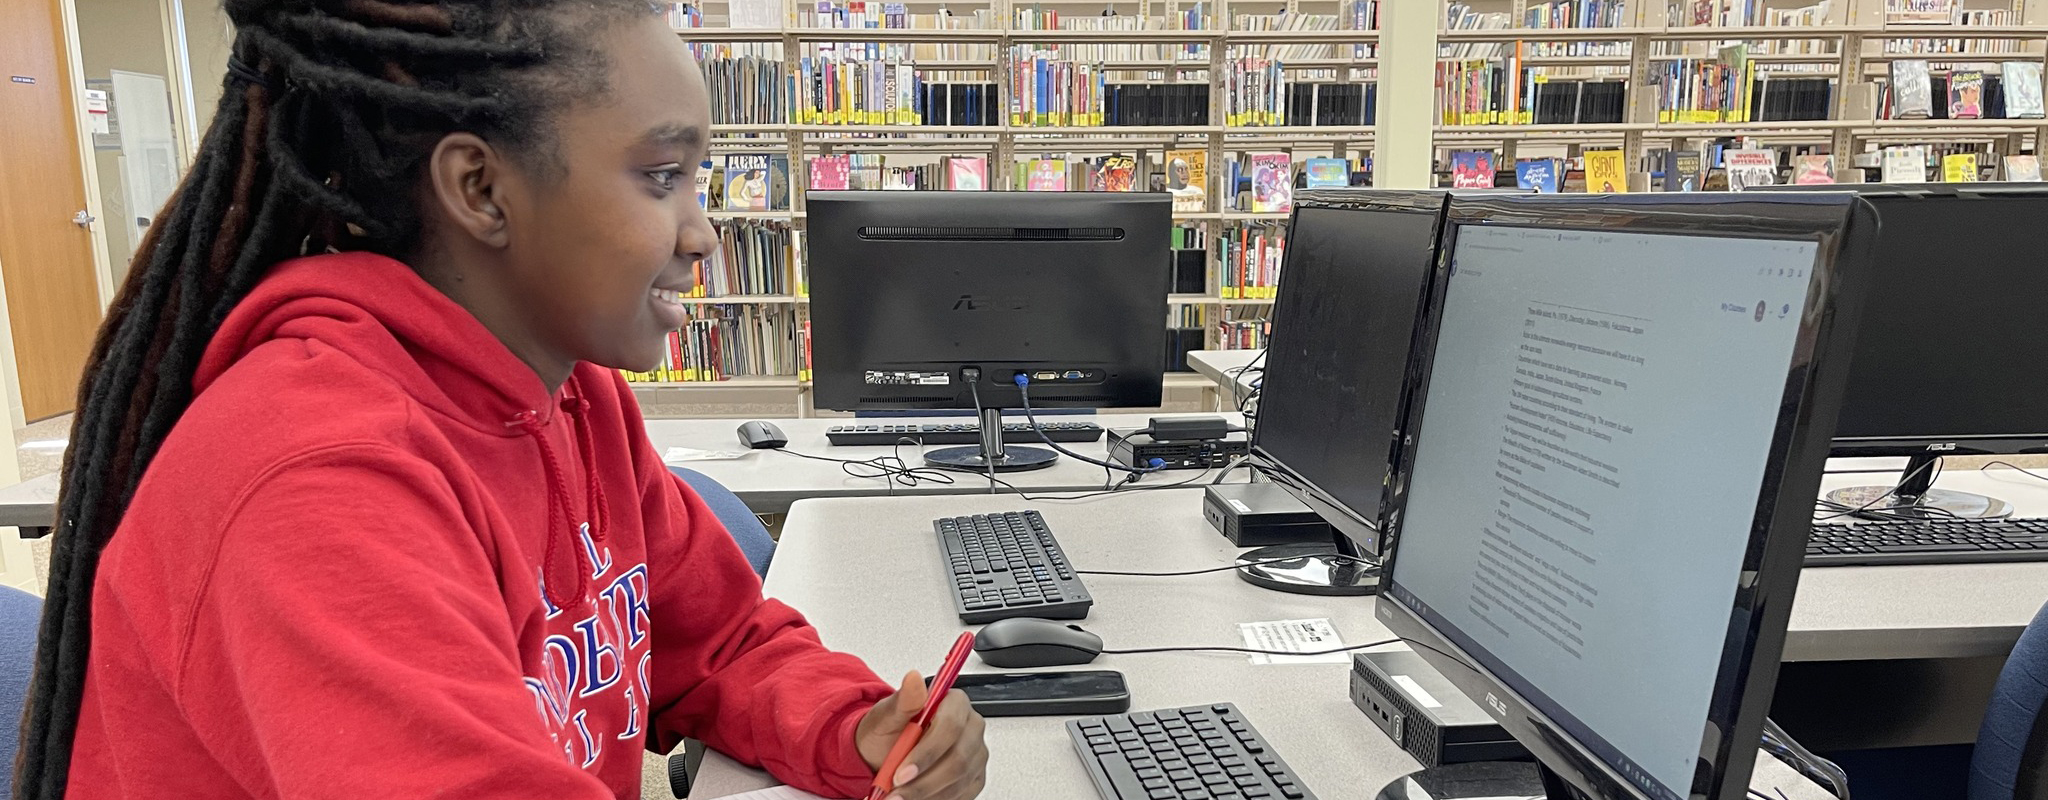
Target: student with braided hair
[356,504]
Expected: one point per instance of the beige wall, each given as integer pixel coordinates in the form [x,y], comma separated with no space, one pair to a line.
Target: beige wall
[208,38]
[125,35]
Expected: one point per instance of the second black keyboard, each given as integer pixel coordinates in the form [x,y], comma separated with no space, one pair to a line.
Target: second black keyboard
[1206,752]
[1926,541]
[969,433]
[1008,565]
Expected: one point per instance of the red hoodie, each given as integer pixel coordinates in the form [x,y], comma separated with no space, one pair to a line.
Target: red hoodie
[376,558]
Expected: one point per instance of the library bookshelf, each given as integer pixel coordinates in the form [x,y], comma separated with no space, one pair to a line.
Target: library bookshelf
[1329,42]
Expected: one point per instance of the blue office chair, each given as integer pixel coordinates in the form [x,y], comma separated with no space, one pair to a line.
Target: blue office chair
[2011,760]
[20,615]
[746,529]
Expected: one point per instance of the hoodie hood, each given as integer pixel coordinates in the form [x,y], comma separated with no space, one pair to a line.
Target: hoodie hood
[379,312]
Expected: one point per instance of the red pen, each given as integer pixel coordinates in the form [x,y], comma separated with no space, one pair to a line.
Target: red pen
[885,778]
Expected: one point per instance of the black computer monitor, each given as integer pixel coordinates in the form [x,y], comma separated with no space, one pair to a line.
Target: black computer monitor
[1621,417]
[1951,360]
[938,300]
[1351,287]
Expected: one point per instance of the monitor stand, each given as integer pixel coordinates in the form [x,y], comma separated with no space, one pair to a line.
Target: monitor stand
[991,454]
[1481,780]
[1915,496]
[1312,568]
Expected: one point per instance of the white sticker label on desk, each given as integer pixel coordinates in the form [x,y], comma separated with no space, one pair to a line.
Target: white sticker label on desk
[1416,691]
[1293,636]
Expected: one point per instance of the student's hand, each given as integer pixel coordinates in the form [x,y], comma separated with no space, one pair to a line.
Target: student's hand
[950,762]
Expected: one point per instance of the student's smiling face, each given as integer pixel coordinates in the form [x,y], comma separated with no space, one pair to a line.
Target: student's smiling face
[581,253]
[611,244]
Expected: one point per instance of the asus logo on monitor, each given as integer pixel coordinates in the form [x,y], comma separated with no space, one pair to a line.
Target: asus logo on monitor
[968,302]
[1500,709]
[1942,447]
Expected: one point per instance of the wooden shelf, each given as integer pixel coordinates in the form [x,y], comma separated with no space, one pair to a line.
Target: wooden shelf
[1952,58]
[1115,37]
[1255,216]
[731,34]
[717,214]
[1298,131]
[907,35]
[933,129]
[1301,37]
[1960,32]
[1117,130]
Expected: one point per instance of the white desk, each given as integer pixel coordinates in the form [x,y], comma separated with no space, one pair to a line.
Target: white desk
[769,482]
[1227,369]
[832,551]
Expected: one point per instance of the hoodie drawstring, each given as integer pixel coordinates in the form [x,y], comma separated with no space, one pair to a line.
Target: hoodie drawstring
[560,507]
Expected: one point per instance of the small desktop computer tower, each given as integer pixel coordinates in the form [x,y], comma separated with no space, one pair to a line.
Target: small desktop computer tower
[1425,714]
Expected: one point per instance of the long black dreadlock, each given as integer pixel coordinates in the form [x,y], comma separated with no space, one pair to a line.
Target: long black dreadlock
[329,110]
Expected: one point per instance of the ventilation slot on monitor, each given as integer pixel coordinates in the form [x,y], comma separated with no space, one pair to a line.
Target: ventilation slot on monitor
[947,234]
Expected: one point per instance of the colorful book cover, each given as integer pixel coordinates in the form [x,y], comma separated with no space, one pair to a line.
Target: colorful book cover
[1752,167]
[1606,172]
[1906,164]
[1272,183]
[1046,175]
[704,184]
[1538,174]
[778,183]
[2023,168]
[746,182]
[1114,174]
[1966,94]
[1471,169]
[1682,170]
[967,173]
[1187,179]
[1959,168]
[1813,170]
[1326,172]
[831,172]
[1574,182]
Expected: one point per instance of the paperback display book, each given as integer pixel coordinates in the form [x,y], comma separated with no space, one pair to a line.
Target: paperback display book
[1046,175]
[831,172]
[1272,183]
[967,173]
[704,184]
[1747,168]
[2023,168]
[1187,179]
[1472,169]
[2022,84]
[1324,173]
[1959,168]
[1113,174]
[1912,90]
[1606,172]
[1813,170]
[1538,174]
[1905,164]
[1682,169]
[746,182]
[1966,95]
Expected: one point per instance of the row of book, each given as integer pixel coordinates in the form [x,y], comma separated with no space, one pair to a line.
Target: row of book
[746,90]
[1248,258]
[1750,13]
[724,341]
[1241,334]
[1360,12]
[2014,93]
[1945,12]
[1502,92]
[754,257]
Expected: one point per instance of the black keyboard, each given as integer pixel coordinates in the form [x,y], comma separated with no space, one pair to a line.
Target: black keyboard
[1008,565]
[969,433]
[1926,541]
[1207,752]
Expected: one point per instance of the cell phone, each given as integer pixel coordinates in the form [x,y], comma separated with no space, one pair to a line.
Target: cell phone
[1045,694]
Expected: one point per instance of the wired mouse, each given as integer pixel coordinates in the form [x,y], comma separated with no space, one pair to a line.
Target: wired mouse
[758,435]
[1031,642]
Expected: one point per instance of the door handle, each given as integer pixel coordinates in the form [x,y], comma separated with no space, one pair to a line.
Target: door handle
[83,220]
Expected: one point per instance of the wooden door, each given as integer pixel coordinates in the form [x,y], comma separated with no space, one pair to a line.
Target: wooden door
[46,260]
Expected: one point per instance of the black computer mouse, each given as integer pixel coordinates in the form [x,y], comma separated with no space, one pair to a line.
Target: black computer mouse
[758,435]
[1030,642]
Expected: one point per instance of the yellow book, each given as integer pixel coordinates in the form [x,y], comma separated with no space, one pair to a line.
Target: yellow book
[1959,168]
[803,375]
[1664,116]
[1230,293]
[1525,118]
[1606,172]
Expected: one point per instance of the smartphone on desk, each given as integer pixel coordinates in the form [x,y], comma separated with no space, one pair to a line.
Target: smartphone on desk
[1045,694]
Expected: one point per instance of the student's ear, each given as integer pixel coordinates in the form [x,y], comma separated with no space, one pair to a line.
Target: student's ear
[465,178]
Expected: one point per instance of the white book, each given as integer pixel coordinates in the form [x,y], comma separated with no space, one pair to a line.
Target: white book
[2022,81]
[1907,164]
